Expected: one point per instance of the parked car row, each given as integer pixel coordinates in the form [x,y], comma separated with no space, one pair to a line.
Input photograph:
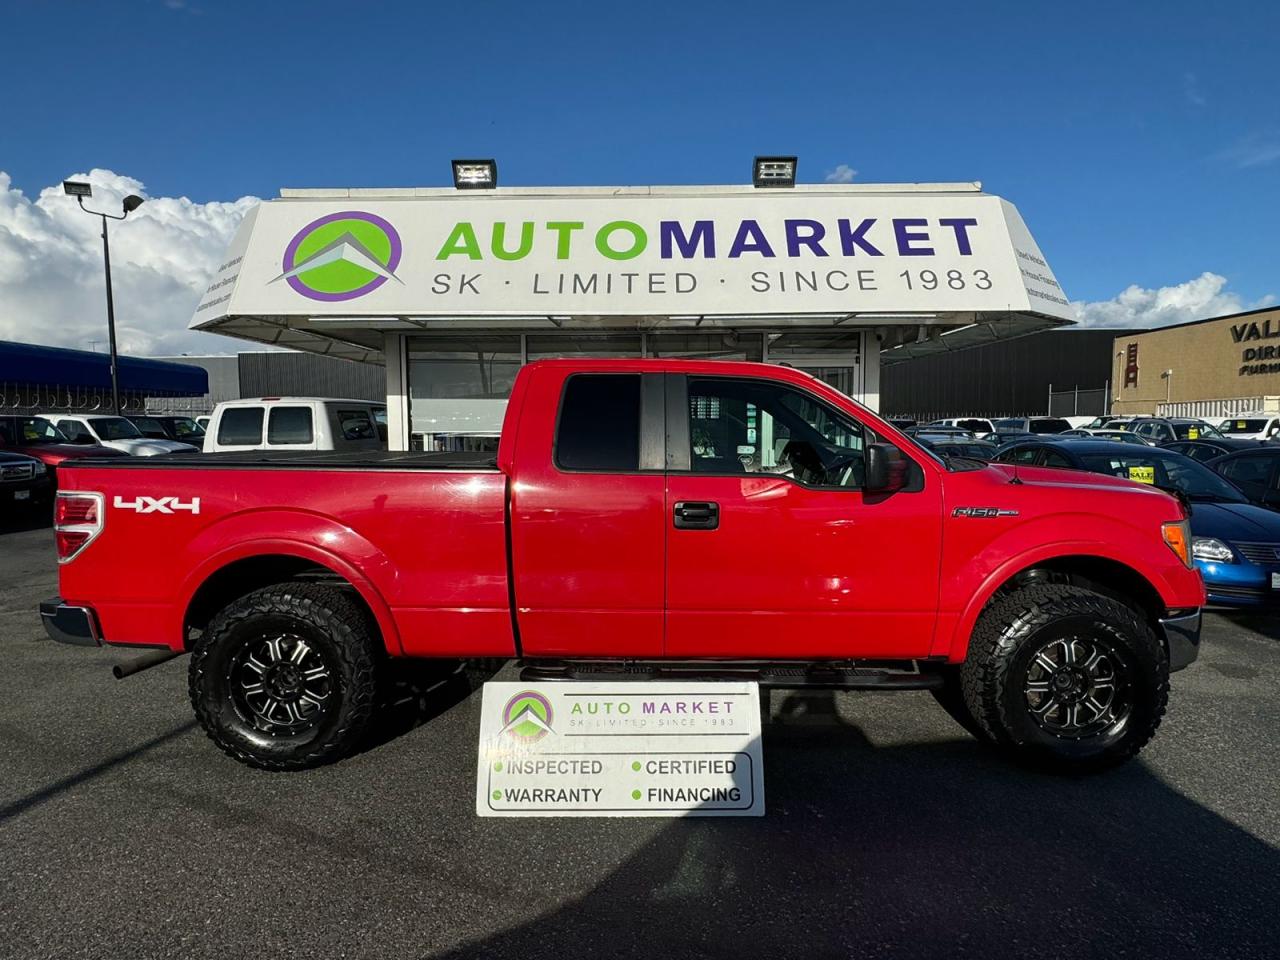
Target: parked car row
[1235,537]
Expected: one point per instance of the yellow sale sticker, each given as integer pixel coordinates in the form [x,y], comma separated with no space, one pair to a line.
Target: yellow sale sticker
[1240,424]
[1193,434]
[1143,474]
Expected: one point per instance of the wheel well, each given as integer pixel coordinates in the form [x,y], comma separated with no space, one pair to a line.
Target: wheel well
[242,577]
[1108,577]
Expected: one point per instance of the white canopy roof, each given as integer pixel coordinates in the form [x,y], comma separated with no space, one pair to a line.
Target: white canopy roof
[933,266]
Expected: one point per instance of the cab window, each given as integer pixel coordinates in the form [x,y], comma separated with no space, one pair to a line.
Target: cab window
[599,424]
[356,425]
[1052,458]
[240,426]
[289,425]
[756,426]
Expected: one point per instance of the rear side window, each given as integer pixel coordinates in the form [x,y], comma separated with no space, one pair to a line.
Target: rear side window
[599,425]
[289,425]
[356,425]
[1049,425]
[1250,474]
[240,426]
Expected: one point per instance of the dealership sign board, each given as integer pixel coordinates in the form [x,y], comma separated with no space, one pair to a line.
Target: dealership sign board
[639,253]
[620,750]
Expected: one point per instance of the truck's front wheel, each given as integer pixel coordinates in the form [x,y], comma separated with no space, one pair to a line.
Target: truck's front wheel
[1066,677]
[285,678]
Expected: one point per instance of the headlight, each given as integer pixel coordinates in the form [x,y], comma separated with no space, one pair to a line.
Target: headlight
[1207,548]
[40,468]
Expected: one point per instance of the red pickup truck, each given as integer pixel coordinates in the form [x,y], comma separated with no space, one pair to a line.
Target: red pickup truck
[642,518]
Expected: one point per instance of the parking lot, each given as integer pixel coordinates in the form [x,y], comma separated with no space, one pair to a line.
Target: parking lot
[125,833]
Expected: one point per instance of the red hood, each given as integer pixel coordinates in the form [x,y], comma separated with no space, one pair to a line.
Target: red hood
[53,454]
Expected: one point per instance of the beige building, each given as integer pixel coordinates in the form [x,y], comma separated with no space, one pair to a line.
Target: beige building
[1220,366]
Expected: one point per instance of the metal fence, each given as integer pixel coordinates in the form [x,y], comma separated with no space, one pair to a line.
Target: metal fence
[1078,403]
[22,398]
[1218,408]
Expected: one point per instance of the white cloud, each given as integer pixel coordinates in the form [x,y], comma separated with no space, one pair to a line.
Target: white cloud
[162,256]
[1138,307]
[1255,150]
[1193,91]
[843,173]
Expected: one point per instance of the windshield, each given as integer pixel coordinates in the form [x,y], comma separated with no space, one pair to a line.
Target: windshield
[149,427]
[1194,431]
[184,427]
[114,428]
[1169,471]
[1243,426]
[34,431]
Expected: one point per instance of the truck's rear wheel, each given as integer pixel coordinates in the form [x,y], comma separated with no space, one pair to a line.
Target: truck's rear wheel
[286,677]
[1066,678]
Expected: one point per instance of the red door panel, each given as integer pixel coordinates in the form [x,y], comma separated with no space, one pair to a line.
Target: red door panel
[792,572]
[588,548]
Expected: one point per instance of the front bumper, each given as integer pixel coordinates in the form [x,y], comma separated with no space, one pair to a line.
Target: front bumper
[1182,639]
[27,493]
[68,624]
[1242,584]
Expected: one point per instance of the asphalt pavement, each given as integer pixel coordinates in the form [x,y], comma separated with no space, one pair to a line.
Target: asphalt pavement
[889,832]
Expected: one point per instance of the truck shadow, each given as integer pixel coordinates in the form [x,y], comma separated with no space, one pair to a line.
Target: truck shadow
[937,849]
[416,691]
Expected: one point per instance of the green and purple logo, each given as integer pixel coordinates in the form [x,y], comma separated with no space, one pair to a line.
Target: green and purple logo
[527,716]
[342,256]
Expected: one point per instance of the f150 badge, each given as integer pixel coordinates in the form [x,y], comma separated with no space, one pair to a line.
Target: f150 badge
[983,512]
[157,504]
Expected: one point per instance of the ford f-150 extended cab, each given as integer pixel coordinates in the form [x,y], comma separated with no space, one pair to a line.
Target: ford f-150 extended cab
[642,518]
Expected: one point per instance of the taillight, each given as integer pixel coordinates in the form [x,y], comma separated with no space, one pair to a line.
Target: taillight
[77,519]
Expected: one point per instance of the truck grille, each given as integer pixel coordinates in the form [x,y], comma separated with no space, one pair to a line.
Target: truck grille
[1266,553]
[17,471]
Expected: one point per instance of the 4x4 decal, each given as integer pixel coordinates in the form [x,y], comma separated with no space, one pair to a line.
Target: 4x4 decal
[157,505]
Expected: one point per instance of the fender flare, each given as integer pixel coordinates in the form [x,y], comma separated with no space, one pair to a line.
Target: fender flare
[303,550]
[956,647]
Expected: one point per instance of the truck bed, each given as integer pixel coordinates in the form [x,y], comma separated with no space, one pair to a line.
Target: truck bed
[311,460]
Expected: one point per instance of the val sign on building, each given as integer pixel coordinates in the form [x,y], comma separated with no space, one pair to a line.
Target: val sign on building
[454,290]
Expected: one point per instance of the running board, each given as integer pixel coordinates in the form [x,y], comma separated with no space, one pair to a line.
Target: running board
[784,675]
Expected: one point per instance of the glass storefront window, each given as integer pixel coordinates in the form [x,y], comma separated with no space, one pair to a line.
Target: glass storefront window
[716,345]
[831,356]
[584,345]
[458,389]
[463,367]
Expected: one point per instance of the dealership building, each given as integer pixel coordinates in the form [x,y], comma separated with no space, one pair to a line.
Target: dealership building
[453,290]
[1219,366]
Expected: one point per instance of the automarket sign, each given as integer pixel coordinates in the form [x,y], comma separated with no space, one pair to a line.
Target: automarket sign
[634,254]
[620,750]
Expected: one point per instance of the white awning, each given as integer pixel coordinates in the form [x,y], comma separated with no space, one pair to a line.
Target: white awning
[934,267]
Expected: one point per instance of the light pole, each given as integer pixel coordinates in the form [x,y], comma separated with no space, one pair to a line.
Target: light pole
[130,204]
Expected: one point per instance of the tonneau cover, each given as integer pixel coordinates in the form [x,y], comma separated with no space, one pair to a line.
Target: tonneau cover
[312,460]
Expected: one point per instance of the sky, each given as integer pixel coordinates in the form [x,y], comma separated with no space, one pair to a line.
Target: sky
[1140,141]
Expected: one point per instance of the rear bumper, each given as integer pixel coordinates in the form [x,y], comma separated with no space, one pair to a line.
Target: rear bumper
[1182,638]
[68,624]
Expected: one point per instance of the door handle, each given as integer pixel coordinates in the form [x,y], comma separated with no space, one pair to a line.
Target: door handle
[697,515]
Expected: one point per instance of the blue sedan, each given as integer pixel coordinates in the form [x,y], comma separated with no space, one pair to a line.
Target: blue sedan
[1236,545]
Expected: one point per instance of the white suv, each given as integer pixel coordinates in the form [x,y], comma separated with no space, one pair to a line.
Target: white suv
[297,423]
[1251,426]
[114,432]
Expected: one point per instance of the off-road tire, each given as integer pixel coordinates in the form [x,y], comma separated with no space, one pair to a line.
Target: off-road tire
[335,627]
[995,677]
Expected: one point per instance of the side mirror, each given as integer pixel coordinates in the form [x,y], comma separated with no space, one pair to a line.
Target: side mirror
[886,469]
